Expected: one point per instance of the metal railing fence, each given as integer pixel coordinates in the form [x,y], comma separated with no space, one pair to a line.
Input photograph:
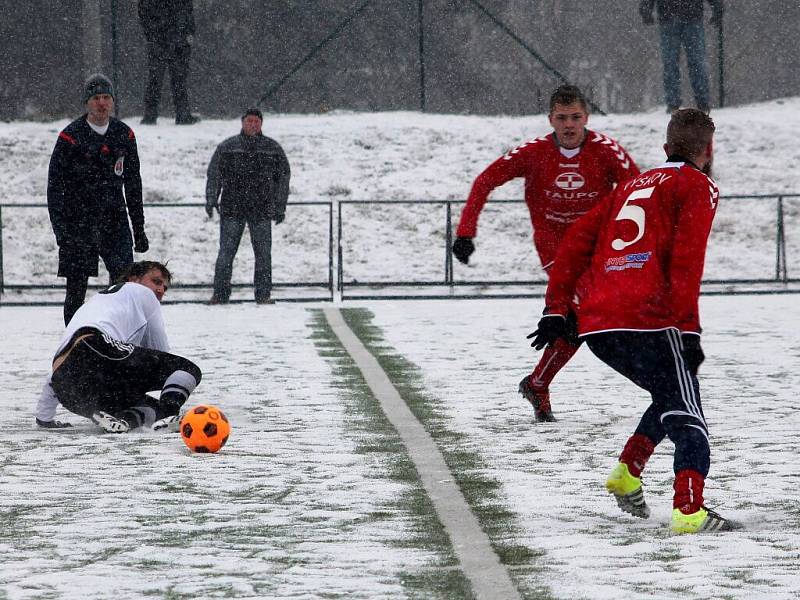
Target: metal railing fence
[325,282]
[449,282]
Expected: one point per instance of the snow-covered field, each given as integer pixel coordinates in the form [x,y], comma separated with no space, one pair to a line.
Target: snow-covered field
[401,156]
[314,496]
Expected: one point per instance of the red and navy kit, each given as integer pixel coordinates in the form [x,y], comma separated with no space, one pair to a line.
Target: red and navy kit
[643,249]
[639,256]
[558,188]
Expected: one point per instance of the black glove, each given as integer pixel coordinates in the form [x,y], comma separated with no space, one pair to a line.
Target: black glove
[692,352]
[210,206]
[463,248]
[646,14]
[279,219]
[571,329]
[52,424]
[549,329]
[140,243]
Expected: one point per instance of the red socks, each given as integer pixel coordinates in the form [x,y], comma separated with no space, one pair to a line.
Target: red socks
[688,482]
[553,360]
[638,450]
[688,491]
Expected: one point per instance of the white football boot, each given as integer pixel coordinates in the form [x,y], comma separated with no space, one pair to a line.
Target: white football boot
[110,423]
[170,424]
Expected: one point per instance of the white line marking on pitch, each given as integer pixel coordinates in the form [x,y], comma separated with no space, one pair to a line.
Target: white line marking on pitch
[489,579]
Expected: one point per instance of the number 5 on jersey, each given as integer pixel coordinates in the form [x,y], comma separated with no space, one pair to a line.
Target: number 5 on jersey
[631,212]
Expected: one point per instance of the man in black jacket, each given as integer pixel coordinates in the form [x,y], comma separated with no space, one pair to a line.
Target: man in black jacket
[252,172]
[680,23]
[168,27]
[94,159]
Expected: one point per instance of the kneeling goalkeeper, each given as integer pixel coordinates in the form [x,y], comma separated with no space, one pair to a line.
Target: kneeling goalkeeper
[113,352]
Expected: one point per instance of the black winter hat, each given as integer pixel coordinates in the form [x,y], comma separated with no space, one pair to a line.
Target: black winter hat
[255,112]
[97,84]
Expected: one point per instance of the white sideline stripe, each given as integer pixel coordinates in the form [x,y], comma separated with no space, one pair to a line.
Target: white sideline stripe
[489,579]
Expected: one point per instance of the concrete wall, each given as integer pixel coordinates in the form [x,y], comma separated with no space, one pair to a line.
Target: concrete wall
[243,48]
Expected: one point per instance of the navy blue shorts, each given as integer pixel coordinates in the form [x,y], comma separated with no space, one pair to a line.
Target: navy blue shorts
[653,360]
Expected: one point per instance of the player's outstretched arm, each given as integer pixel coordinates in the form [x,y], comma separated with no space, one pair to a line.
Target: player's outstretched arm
[46,409]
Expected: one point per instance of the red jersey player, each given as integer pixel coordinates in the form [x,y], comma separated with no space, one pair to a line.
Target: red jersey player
[643,249]
[566,173]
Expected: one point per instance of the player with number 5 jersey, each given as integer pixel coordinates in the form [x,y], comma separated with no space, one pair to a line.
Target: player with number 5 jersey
[644,247]
[642,250]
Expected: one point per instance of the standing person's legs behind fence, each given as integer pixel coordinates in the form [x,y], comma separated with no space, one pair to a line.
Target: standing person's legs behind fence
[156,66]
[694,42]
[670,59]
[230,236]
[261,239]
[178,76]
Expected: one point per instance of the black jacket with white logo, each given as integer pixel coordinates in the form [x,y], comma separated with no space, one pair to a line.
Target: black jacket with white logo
[93,184]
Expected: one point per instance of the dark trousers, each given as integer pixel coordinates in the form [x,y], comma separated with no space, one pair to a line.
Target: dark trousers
[691,36]
[161,57]
[653,360]
[230,235]
[116,259]
[103,374]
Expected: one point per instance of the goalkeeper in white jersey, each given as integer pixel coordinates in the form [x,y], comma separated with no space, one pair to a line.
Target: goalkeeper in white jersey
[113,352]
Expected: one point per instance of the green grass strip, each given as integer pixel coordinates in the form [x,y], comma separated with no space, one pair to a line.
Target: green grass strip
[482,492]
[376,438]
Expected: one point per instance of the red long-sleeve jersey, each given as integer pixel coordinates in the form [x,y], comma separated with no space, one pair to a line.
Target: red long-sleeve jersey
[559,188]
[642,251]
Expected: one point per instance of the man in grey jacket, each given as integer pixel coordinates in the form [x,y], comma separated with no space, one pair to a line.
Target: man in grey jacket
[252,173]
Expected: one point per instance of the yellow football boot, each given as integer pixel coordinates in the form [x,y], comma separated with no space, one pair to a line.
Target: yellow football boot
[627,490]
[704,520]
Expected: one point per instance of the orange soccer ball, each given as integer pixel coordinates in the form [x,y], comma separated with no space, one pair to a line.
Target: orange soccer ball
[205,428]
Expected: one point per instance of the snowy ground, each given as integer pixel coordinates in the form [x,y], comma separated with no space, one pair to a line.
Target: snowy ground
[405,156]
[290,508]
[553,475]
[313,498]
